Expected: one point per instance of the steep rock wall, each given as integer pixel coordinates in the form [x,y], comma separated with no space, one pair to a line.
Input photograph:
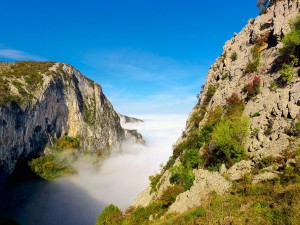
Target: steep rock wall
[52,102]
[275,110]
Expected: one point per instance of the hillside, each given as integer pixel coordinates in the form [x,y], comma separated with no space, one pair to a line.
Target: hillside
[52,104]
[238,160]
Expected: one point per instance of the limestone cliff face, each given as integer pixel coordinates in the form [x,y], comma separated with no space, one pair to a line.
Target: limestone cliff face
[41,101]
[272,112]
[277,108]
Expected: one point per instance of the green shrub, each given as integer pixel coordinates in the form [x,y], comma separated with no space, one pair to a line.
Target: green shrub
[273,85]
[182,176]
[233,56]
[291,41]
[211,90]
[49,167]
[255,114]
[290,52]
[169,195]
[252,66]
[225,75]
[229,137]
[154,182]
[111,215]
[191,158]
[286,73]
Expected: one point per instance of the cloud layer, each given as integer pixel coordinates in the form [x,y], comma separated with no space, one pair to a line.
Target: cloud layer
[124,174]
[79,199]
[13,54]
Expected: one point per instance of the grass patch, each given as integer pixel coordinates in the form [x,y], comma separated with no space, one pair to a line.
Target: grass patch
[233,56]
[28,71]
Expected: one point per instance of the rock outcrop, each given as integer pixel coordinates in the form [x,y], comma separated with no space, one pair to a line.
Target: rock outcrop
[272,112]
[128,119]
[130,125]
[42,101]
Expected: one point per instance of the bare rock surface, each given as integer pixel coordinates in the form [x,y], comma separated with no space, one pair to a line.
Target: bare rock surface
[205,183]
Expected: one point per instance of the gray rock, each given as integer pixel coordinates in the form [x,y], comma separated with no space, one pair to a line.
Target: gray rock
[238,170]
[222,169]
[263,177]
[66,103]
[205,183]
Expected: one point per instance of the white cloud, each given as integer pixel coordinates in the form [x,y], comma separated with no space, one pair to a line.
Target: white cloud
[125,174]
[138,65]
[13,54]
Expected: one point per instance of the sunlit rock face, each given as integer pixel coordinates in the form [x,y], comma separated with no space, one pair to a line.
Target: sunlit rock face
[40,101]
[272,112]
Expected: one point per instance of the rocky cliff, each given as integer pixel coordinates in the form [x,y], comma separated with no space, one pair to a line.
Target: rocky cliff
[247,116]
[43,101]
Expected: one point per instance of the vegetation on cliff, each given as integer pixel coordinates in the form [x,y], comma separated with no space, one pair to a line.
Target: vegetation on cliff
[20,80]
[290,52]
[270,202]
[57,160]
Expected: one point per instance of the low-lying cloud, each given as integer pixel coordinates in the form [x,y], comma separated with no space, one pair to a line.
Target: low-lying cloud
[125,173]
[79,199]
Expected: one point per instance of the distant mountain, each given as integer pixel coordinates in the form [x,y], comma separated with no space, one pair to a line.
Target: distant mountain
[128,119]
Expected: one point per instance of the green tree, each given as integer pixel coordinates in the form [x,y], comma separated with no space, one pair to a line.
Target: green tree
[111,215]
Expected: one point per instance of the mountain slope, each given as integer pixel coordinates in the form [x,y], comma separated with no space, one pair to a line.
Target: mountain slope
[43,101]
[242,138]
[272,113]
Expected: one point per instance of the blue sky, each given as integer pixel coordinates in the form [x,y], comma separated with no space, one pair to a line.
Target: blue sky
[150,56]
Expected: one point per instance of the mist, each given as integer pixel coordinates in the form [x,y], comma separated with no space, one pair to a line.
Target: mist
[118,179]
[125,173]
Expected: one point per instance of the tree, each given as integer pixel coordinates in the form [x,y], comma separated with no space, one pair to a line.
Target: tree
[111,215]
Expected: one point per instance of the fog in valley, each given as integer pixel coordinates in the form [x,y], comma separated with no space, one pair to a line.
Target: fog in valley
[79,199]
